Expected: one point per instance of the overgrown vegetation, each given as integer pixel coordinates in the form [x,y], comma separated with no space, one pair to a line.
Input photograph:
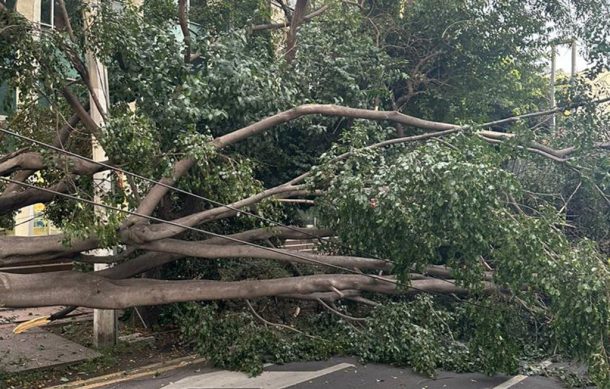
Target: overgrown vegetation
[426,333]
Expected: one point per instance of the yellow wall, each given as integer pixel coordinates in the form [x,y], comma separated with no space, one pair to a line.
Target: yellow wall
[30,221]
[29,8]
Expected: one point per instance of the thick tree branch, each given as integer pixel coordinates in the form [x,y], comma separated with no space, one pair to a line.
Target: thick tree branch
[328,110]
[15,200]
[295,23]
[146,233]
[90,290]
[203,250]
[66,18]
[184,26]
[21,250]
[281,232]
[20,176]
[35,161]
[80,111]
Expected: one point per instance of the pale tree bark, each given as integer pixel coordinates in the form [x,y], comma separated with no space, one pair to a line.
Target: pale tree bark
[275,26]
[90,290]
[295,23]
[184,27]
[210,251]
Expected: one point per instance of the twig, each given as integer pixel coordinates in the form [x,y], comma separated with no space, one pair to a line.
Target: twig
[348,317]
[277,325]
[570,198]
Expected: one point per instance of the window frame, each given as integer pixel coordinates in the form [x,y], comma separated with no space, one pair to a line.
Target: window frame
[50,25]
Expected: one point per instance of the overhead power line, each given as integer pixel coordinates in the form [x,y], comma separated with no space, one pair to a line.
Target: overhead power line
[157,182]
[210,233]
[230,238]
[236,240]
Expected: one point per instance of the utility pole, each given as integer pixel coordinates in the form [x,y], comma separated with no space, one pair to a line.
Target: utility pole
[104,321]
[573,68]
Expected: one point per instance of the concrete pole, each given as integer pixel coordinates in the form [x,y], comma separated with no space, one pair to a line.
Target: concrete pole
[573,69]
[552,84]
[104,321]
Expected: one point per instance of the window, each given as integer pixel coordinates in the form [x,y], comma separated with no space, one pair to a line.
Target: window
[50,14]
[47,13]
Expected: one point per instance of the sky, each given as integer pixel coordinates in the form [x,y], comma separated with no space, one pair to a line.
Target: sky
[564,60]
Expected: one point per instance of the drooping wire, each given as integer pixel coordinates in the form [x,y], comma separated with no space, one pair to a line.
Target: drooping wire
[157,182]
[220,236]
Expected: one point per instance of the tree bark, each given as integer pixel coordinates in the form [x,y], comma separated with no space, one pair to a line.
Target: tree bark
[21,249]
[35,161]
[210,251]
[184,27]
[90,290]
[146,233]
[275,26]
[295,23]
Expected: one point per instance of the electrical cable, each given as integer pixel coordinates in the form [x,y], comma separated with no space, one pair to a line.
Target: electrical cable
[220,236]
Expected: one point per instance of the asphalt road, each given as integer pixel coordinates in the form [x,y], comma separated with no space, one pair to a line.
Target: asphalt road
[336,373]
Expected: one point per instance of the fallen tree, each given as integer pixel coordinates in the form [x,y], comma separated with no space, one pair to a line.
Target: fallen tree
[225,156]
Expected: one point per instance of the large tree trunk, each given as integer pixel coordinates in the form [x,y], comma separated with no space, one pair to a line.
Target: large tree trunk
[90,290]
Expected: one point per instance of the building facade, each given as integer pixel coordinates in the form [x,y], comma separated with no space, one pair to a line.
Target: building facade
[29,221]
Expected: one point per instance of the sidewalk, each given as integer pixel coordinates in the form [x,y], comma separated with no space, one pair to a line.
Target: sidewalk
[37,348]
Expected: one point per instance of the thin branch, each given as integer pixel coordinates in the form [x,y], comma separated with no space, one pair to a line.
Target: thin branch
[297,201]
[277,325]
[336,312]
[565,205]
[64,14]
[275,26]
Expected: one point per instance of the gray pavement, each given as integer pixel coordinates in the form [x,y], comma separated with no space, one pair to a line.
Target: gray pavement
[37,349]
[335,373]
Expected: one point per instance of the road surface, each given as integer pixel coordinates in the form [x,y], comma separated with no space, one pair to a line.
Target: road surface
[335,373]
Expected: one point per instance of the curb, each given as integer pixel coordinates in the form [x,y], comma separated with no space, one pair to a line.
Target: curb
[124,375]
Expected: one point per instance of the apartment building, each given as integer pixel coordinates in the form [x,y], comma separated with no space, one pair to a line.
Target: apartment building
[30,220]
